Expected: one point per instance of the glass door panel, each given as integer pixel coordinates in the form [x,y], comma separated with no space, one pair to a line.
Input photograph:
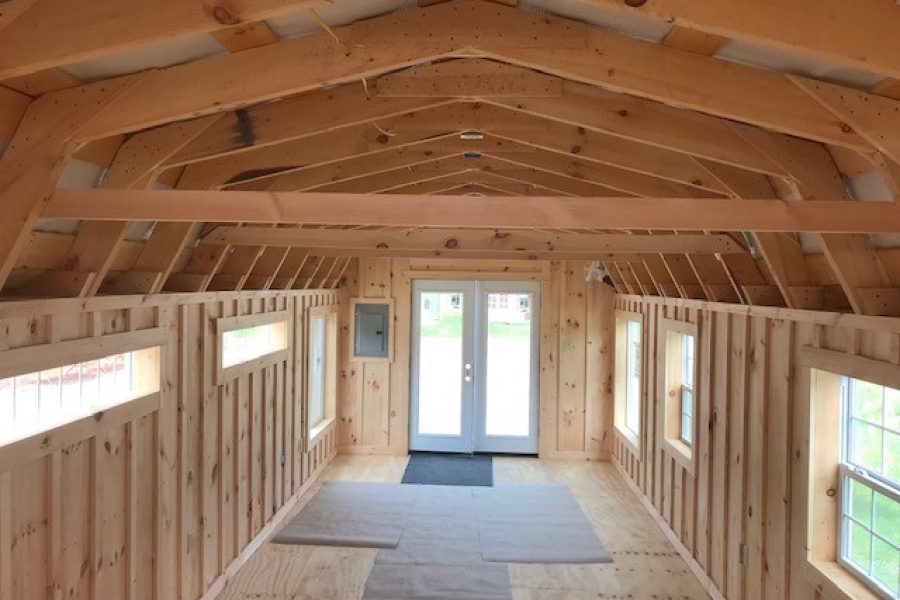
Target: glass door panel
[440,363]
[506,334]
[508,362]
[442,358]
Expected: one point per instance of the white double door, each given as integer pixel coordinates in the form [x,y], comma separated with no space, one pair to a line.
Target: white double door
[474,371]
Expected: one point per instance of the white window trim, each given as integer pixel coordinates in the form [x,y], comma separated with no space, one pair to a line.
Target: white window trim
[621,379]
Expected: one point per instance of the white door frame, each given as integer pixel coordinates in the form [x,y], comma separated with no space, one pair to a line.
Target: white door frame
[473,402]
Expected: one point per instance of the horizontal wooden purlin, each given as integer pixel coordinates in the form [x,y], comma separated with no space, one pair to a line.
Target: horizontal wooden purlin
[675,214]
[471,240]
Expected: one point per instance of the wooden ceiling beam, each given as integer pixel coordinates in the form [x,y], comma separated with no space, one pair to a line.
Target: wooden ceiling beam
[34,160]
[483,240]
[875,118]
[852,257]
[857,33]
[691,214]
[780,251]
[97,243]
[56,32]
[552,45]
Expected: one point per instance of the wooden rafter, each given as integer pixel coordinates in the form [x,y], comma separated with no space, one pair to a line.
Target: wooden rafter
[58,32]
[856,33]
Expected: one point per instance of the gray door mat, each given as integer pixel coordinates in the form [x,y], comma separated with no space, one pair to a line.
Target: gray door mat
[352,513]
[539,523]
[431,468]
[438,582]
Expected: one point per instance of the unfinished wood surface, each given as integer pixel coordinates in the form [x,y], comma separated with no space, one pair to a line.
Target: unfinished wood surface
[645,565]
[169,502]
[575,321]
[409,210]
[740,518]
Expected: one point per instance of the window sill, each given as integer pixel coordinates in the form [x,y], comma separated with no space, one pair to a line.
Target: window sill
[682,453]
[843,582]
[316,432]
[631,440]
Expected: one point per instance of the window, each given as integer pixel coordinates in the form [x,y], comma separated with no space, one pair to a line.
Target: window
[316,369]
[245,344]
[629,368]
[321,369]
[39,401]
[680,401]
[686,428]
[869,475]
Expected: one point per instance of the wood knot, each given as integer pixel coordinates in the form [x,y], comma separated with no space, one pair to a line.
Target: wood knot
[623,113]
[451,243]
[224,16]
[635,3]
[846,128]
[830,492]
[576,149]
[382,245]
[382,138]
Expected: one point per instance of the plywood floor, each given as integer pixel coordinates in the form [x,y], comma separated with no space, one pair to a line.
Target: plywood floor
[646,566]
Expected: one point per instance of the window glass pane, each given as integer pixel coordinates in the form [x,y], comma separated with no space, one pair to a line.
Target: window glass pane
[886,522]
[885,564]
[633,380]
[316,386]
[860,502]
[7,407]
[867,401]
[859,546]
[867,445]
[892,408]
[687,357]
[39,401]
[892,456]
[243,345]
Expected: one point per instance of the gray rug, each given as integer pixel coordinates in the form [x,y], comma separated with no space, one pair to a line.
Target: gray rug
[447,542]
[430,468]
[539,523]
[438,582]
[352,513]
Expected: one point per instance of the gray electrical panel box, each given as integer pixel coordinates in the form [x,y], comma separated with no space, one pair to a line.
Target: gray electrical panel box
[370,324]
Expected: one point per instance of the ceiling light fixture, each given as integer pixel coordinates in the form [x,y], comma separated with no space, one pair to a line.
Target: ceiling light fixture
[471,135]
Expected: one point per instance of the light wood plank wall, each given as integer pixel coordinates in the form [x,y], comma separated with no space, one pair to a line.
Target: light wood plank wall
[749,492]
[575,355]
[169,504]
